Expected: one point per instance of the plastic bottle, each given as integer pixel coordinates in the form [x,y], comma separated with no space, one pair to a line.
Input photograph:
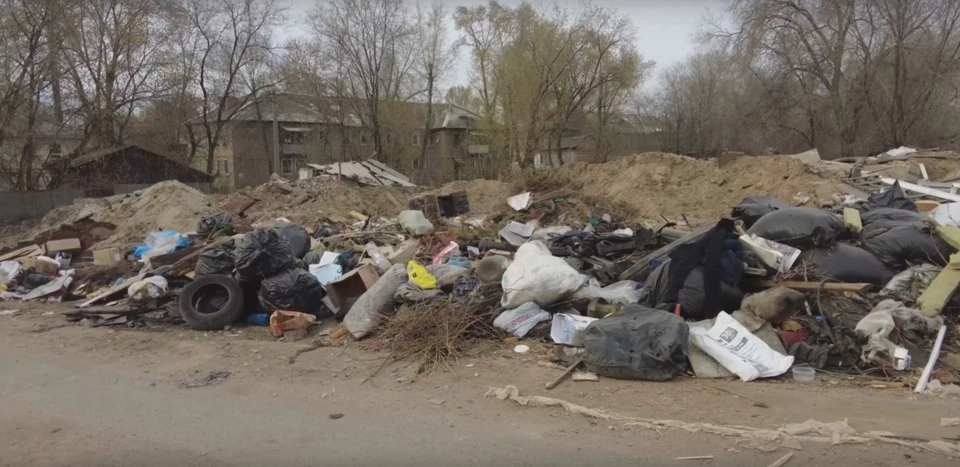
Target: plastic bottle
[259,319]
[382,263]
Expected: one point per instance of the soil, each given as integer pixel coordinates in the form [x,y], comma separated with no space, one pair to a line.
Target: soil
[168,205]
[653,185]
[75,395]
[307,202]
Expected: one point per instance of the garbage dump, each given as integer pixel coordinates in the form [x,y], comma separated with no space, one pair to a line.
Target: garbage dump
[779,273]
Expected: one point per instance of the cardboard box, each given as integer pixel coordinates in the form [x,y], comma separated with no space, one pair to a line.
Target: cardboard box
[352,284]
[41,265]
[107,257]
[67,244]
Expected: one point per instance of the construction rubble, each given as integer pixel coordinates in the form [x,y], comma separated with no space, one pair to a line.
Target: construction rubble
[650,268]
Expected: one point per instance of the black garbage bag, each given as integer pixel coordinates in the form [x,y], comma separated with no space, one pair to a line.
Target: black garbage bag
[312,257]
[893,198]
[902,244]
[297,238]
[293,290]
[752,208]
[799,227]
[847,263]
[889,217]
[637,343]
[215,261]
[262,253]
[221,223]
[691,296]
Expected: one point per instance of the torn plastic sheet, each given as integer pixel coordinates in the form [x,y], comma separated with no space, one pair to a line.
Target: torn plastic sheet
[810,431]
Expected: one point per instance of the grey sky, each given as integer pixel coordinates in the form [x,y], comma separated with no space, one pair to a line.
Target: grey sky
[665,28]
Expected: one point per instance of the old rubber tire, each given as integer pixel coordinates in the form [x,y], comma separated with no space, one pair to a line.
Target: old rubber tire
[211,302]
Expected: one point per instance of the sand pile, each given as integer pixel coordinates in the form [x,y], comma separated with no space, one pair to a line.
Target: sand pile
[658,184]
[307,202]
[169,205]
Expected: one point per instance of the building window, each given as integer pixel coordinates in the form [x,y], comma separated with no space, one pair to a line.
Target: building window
[457,139]
[363,139]
[435,139]
[294,137]
[389,138]
[226,167]
[55,149]
[287,165]
[348,137]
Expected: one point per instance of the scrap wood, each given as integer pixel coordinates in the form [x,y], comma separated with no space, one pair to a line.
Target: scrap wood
[788,435]
[782,461]
[813,286]
[566,372]
[938,293]
[851,220]
[28,251]
[112,290]
[934,354]
[694,458]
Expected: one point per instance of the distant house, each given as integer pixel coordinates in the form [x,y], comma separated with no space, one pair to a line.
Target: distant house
[51,142]
[298,130]
[125,169]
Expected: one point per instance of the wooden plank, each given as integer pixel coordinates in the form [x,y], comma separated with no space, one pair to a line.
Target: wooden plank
[812,286]
[851,220]
[939,292]
[27,251]
[923,190]
[950,234]
[170,258]
[112,290]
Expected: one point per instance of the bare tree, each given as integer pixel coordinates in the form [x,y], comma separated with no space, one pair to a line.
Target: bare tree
[434,62]
[372,41]
[232,39]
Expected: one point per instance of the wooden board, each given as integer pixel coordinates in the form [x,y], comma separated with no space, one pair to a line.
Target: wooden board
[939,292]
[812,286]
[851,220]
[27,251]
[112,290]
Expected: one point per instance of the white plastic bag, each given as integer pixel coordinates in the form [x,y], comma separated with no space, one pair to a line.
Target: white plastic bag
[9,270]
[151,287]
[624,292]
[537,276]
[739,351]
[775,255]
[519,321]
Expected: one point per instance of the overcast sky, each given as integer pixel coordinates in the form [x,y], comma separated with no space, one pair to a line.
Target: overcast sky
[665,28]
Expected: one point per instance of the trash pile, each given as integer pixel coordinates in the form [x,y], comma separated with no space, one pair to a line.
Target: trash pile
[786,279]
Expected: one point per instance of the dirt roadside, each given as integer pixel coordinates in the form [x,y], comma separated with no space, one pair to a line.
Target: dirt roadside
[81,396]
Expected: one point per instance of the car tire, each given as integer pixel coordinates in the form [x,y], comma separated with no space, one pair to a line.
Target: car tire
[211,302]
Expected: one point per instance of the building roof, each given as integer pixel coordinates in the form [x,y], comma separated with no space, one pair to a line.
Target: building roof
[369,172]
[101,154]
[306,109]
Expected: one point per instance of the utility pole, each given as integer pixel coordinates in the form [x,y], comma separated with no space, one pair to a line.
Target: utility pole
[276,135]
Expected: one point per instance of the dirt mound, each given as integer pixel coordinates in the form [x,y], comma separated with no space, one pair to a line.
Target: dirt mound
[169,205]
[306,202]
[486,196]
[658,184]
